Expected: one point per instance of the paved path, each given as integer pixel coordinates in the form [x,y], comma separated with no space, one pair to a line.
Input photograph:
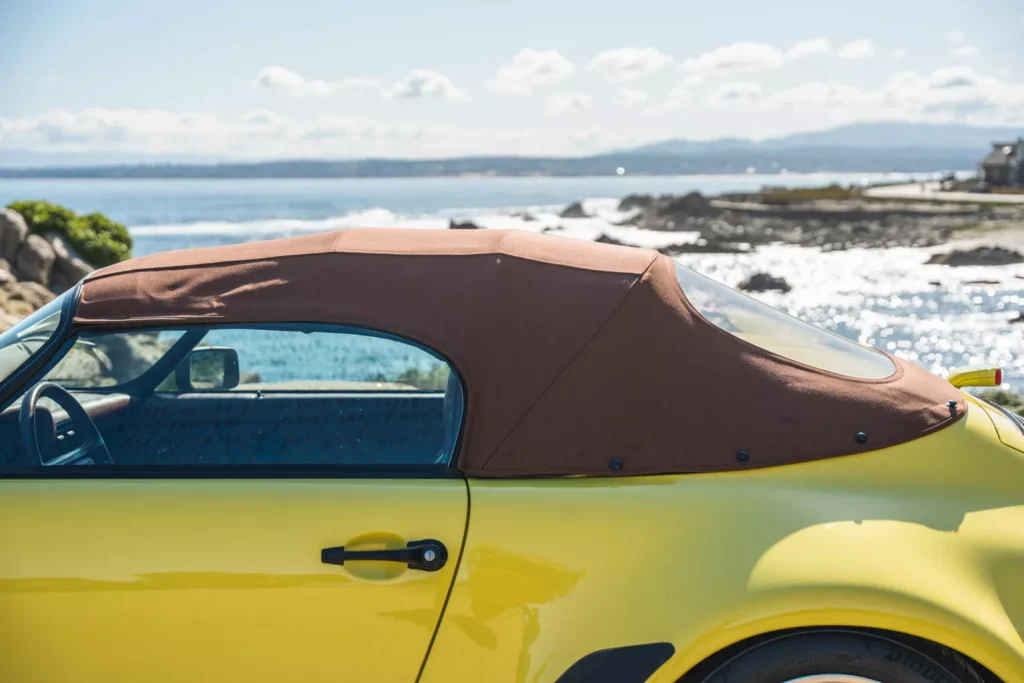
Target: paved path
[931,191]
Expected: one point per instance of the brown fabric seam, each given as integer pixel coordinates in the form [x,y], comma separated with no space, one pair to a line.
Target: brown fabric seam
[888,443]
[101,275]
[771,355]
[590,339]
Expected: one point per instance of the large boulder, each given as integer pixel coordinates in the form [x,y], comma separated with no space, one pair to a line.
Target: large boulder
[978,256]
[635,201]
[6,275]
[8,321]
[692,204]
[574,210]
[462,225]
[32,293]
[608,239]
[17,308]
[764,282]
[13,231]
[35,260]
[701,246]
[68,266]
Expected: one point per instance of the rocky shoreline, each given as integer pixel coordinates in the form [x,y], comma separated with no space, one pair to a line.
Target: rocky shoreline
[739,222]
[33,268]
[830,219]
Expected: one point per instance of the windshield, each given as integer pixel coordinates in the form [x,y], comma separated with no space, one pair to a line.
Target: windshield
[22,341]
[781,334]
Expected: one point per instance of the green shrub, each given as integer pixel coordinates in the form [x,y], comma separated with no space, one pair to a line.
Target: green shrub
[99,240]
[809,194]
[434,379]
[1006,399]
[43,216]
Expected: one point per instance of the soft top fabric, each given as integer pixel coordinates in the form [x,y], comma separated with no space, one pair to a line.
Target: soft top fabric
[577,358]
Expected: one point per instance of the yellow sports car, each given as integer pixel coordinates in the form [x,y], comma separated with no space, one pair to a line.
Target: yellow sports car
[386,455]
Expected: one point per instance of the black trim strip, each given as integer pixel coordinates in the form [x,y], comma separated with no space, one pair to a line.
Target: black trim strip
[233,472]
[630,664]
[45,354]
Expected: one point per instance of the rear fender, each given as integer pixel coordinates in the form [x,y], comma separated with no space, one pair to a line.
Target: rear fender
[926,538]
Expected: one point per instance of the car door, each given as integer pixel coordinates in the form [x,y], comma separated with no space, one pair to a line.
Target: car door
[254,529]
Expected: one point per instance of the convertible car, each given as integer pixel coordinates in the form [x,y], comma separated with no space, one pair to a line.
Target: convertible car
[388,455]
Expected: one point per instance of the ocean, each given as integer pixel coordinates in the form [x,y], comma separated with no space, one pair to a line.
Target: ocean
[888,298]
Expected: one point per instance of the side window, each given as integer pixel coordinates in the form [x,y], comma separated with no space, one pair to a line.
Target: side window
[262,395]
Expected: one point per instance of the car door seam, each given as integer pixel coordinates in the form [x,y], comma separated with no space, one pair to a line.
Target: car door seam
[451,584]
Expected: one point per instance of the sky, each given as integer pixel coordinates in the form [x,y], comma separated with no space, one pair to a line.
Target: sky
[333,78]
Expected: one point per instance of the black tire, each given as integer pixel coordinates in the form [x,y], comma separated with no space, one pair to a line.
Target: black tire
[870,656]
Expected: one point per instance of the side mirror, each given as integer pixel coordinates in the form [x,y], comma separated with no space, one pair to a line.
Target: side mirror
[208,368]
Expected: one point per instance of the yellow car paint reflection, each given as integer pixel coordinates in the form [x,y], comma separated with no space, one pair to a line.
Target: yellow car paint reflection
[169,581]
[926,538]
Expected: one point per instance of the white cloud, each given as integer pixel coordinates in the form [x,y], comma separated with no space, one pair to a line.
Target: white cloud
[737,57]
[966,51]
[815,96]
[956,93]
[742,93]
[561,103]
[282,80]
[899,53]
[420,83]
[631,96]
[951,94]
[809,48]
[677,98]
[628,63]
[748,57]
[955,37]
[530,68]
[264,133]
[858,49]
[135,129]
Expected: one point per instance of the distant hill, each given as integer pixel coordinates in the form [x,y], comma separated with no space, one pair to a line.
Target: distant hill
[868,147]
[860,135]
[27,158]
[763,160]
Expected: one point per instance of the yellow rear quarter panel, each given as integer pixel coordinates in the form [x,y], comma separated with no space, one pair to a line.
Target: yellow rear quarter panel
[926,538]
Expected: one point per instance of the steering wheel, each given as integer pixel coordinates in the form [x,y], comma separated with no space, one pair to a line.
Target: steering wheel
[88,448]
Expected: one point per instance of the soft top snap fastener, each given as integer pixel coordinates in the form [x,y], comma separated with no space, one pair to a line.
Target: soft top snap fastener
[743,456]
[861,437]
[615,465]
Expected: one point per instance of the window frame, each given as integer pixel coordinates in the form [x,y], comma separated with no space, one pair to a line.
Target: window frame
[145,382]
[66,335]
[42,361]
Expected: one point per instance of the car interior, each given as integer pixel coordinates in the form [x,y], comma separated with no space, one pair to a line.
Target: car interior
[143,422]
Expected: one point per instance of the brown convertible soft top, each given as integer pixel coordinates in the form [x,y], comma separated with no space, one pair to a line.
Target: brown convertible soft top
[578,358]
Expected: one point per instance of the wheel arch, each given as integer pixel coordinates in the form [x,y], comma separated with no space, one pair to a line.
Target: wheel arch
[703,668]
